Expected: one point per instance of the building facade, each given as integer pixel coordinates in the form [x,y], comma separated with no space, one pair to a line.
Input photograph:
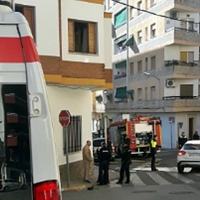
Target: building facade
[156,67]
[71,45]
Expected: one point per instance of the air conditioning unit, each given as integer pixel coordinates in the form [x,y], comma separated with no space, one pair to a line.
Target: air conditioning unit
[174,15]
[170,83]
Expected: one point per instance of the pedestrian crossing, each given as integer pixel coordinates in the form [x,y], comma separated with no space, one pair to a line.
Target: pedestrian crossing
[146,178]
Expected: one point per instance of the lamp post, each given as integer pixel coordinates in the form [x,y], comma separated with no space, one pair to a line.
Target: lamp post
[127,47]
[149,74]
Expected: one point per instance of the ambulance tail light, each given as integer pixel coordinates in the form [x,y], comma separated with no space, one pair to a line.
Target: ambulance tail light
[47,191]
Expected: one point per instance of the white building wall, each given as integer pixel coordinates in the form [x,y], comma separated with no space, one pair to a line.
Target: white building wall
[176,90]
[72,9]
[173,52]
[46,22]
[78,102]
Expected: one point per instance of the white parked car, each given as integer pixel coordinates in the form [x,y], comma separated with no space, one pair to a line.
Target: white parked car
[189,155]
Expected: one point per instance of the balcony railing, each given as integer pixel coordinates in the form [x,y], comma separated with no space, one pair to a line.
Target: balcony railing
[188,3]
[181,63]
[155,104]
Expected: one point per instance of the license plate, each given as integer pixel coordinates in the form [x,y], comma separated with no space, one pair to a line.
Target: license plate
[194,154]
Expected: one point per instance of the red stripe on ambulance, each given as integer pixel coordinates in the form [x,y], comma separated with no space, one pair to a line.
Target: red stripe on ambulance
[11,50]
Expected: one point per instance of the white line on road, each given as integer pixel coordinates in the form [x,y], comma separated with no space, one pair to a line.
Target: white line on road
[182,178]
[158,179]
[135,179]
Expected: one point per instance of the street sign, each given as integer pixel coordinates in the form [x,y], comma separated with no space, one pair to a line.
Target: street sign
[64,118]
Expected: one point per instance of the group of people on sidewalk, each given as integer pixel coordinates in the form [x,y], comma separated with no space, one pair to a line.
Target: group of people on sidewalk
[104,155]
[183,138]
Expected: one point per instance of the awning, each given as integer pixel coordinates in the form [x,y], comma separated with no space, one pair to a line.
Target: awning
[120,39]
[129,42]
[120,18]
[121,93]
[121,64]
[130,93]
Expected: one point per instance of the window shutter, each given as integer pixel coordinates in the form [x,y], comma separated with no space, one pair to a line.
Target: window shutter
[92,37]
[71,38]
[29,15]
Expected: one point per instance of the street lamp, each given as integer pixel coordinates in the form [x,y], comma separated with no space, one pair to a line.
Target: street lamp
[149,74]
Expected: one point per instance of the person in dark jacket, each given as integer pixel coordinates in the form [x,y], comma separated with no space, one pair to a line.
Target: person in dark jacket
[154,147]
[104,160]
[182,140]
[127,141]
[195,136]
[125,164]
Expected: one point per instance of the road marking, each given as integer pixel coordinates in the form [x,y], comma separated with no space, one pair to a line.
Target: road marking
[162,169]
[135,179]
[182,178]
[158,179]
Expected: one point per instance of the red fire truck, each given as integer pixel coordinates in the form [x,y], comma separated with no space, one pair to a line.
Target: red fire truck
[139,130]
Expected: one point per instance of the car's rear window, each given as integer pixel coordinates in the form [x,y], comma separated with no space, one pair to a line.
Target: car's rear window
[97,143]
[191,147]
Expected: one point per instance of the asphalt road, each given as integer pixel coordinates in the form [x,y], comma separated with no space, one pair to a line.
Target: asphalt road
[165,192]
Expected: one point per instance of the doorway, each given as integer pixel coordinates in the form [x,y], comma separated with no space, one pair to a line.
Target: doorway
[191,127]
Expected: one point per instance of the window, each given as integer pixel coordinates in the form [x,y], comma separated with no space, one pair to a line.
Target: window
[82,36]
[139,5]
[118,44]
[146,34]
[132,12]
[139,37]
[120,18]
[139,93]
[191,147]
[146,93]
[131,68]
[153,30]
[74,134]
[146,64]
[186,90]
[187,56]
[153,2]
[139,66]
[153,62]
[153,90]
[29,14]
[146,4]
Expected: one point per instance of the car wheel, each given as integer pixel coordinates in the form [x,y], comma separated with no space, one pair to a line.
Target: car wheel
[180,169]
[6,189]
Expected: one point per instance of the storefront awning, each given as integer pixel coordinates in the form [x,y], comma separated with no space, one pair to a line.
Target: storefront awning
[121,93]
[121,64]
[129,42]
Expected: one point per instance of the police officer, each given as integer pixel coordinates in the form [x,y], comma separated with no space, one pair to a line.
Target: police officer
[154,147]
[104,160]
[125,164]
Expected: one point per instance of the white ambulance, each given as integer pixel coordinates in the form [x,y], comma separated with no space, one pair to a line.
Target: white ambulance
[27,145]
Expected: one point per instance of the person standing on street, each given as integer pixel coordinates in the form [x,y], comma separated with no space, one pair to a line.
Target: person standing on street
[87,161]
[104,160]
[196,136]
[125,164]
[182,140]
[154,147]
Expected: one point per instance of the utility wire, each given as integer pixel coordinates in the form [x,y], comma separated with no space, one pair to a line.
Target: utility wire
[152,13]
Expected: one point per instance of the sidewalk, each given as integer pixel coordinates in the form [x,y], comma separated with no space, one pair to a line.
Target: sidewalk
[81,185]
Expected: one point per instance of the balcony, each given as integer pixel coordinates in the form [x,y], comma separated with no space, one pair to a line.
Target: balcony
[185,4]
[185,36]
[171,105]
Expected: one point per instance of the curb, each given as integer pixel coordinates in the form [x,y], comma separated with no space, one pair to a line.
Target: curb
[75,188]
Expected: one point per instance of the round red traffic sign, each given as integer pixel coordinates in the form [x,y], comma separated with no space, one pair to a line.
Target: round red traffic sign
[64,118]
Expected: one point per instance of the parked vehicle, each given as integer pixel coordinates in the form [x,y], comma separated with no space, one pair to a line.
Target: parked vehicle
[27,136]
[97,145]
[140,131]
[189,155]
[11,184]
